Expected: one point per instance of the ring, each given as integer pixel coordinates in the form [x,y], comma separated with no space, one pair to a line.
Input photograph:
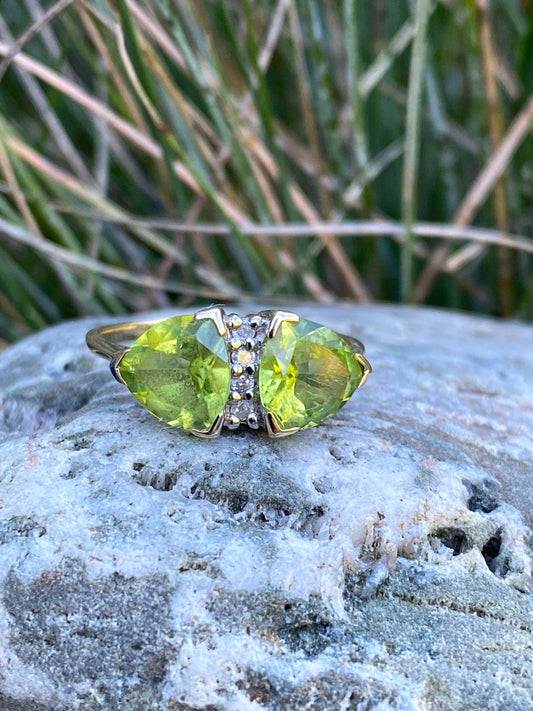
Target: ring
[210,369]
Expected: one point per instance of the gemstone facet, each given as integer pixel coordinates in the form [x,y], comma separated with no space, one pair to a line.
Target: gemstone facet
[307,373]
[179,370]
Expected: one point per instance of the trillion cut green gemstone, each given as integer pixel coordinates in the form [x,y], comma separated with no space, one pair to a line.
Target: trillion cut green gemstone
[306,375]
[179,370]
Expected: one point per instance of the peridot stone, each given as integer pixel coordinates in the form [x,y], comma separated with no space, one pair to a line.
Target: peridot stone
[306,374]
[179,370]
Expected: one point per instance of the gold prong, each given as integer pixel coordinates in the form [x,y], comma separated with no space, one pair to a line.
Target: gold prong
[367,368]
[274,429]
[254,320]
[115,366]
[213,431]
[232,422]
[234,321]
[252,421]
[216,314]
[278,318]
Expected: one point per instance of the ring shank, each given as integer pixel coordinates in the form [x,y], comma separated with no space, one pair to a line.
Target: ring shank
[108,341]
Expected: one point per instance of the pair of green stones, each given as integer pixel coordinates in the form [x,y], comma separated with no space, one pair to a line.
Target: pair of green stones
[202,371]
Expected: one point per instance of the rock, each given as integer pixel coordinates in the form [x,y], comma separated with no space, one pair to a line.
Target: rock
[381,561]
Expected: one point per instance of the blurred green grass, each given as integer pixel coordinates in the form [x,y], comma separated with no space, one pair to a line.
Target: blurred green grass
[176,152]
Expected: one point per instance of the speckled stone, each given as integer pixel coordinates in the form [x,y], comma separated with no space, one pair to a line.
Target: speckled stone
[379,562]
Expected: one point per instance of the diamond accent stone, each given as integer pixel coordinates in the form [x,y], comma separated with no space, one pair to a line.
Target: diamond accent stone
[245,331]
[243,384]
[245,340]
[241,409]
[243,357]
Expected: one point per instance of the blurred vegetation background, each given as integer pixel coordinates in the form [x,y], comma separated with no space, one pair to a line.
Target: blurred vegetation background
[183,151]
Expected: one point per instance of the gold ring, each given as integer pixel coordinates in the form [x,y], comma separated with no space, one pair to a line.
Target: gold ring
[210,369]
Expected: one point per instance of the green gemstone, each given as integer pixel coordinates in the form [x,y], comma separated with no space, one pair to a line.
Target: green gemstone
[306,374]
[179,370]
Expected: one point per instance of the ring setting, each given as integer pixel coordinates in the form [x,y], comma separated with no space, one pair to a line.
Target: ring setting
[205,371]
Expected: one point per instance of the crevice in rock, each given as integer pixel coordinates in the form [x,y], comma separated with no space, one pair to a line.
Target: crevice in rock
[491,550]
[262,498]
[146,475]
[481,496]
[454,538]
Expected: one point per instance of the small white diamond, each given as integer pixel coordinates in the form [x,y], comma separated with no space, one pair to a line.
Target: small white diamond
[245,331]
[242,384]
[243,357]
[242,409]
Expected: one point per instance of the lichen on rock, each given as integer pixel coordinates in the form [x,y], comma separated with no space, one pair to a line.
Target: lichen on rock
[380,561]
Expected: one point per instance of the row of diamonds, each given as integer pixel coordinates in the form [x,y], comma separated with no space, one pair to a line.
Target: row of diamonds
[245,338]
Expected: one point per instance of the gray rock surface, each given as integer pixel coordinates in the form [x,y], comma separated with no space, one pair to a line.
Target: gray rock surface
[381,562]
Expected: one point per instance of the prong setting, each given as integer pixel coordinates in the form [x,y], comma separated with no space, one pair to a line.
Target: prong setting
[253,421]
[215,314]
[367,368]
[114,367]
[234,321]
[278,318]
[273,428]
[232,422]
[213,431]
[246,338]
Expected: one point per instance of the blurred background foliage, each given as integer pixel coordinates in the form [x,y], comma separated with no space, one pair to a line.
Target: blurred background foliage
[187,152]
